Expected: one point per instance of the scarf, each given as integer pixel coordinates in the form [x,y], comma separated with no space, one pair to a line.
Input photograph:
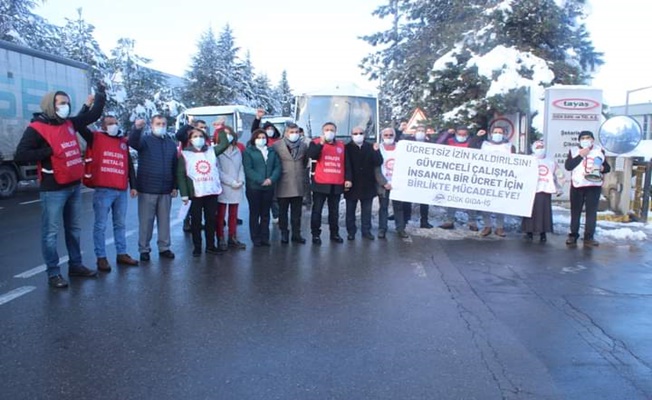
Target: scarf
[293,147]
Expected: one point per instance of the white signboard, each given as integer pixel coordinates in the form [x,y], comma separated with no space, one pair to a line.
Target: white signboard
[568,111]
[464,178]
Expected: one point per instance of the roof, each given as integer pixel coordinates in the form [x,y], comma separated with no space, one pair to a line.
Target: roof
[43,55]
[214,110]
[342,89]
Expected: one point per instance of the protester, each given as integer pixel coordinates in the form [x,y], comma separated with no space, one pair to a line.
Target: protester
[232,176]
[419,136]
[582,162]
[541,219]
[262,171]
[327,154]
[109,170]
[290,188]
[156,184]
[461,138]
[182,136]
[51,141]
[273,135]
[384,181]
[361,159]
[496,143]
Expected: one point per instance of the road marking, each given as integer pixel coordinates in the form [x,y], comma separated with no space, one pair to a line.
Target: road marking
[37,270]
[419,270]
[29,202]
[16,293]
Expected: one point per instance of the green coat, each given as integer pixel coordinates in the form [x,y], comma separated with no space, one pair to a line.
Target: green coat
[186,188]
[257,169]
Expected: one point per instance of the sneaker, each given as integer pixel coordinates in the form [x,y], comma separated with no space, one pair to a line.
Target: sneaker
[57,282]
[144,257]
[166,254]
[447,225]
[103,264]
[81,272]
[125,259]
[571,241]
[234,243]
[486,231]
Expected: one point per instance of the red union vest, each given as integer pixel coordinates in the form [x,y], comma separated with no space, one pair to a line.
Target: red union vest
[329,169]
[107,162]
[66,159]
[455,143]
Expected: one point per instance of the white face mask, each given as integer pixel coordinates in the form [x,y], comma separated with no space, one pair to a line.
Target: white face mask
[539,153]
[261,142]
[270,132]
[420,136]
[293,137]
[460,139]
[229,137]
[388,141]
[198,142]
[329,135]
[113,130]
[358,139]
[497,137]
[586,143]
[159,130]
[63,111]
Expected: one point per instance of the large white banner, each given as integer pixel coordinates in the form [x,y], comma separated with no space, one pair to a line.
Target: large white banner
[463,178]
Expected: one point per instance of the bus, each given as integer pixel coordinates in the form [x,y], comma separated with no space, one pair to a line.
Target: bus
[240,118]
[346,105]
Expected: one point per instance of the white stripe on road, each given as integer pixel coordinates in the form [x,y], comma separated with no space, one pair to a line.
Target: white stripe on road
[29,202]
[16,293]
[37,270]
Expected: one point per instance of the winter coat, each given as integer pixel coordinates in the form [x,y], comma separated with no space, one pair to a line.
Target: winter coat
[231,173]
[34,148]
[360,163]
[157,162]
[293,170]
[257,169]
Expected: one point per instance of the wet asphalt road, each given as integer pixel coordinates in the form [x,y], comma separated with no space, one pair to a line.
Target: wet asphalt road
[393,319]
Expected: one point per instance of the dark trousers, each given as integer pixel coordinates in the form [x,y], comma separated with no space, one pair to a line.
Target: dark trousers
[365,215]
[294,204]
[588,196]
[260,203]
[318,200]
[383,211]
[407,211]
[207,206]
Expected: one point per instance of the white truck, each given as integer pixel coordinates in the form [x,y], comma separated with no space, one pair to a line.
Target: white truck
[25,76]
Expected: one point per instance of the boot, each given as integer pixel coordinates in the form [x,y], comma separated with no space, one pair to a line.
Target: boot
[236,244]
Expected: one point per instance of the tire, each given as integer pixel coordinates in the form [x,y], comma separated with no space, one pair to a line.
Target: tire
[8,181]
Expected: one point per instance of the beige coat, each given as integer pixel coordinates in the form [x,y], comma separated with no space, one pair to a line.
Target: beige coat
[293,171]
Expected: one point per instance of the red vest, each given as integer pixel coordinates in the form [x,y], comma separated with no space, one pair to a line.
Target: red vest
[453,142]
[66,158]
[107,162]
[329,169]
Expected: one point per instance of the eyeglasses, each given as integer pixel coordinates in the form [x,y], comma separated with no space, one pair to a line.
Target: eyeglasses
[357,133]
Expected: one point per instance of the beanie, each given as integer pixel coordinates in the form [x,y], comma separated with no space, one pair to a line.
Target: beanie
[585,133]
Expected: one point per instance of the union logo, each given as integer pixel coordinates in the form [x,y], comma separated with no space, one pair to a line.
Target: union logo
[203,167]
[543,170]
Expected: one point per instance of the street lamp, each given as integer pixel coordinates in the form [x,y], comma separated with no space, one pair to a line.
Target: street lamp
[627,97]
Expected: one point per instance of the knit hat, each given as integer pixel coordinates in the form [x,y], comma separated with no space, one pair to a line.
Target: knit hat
[586,133]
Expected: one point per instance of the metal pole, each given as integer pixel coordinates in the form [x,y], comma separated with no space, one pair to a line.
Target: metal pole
[646,191]
[627,103]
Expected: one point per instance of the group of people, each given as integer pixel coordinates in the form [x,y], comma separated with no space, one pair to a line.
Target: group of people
[213,173]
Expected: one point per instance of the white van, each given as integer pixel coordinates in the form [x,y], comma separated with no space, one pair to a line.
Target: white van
[240,118]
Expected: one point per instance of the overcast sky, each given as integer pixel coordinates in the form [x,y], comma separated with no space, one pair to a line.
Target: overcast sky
[317,42]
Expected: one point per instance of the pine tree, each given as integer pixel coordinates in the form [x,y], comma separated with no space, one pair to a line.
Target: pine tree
[80,44]
[18,24]
[227,67]
[244,78]
[266,97]
[285,96]
[204,80]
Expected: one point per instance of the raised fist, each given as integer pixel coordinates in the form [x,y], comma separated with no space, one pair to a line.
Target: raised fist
[101,87]
[260,113]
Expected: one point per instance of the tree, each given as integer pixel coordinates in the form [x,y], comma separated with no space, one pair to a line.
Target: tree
[266,97]
[227,67]
[204,80]
[244,82]
[80,44]
[285,96]
[18,24]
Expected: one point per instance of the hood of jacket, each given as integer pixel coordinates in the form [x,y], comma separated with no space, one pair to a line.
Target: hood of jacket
[48,112]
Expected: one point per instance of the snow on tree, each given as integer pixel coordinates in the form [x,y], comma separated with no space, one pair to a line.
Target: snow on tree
[204,80]
[80,44]
[266,97]
[18,24]
[228,70]
[245,92]
[480,56]
[285,96]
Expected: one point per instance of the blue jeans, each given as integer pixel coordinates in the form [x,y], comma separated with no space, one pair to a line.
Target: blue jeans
[56,204]
[105,200]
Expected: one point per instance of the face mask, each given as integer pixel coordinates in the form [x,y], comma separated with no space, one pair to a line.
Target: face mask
[539,153]
[113,130]
[293,137]
[229,137]
[159,130]
[270,132]
[585,144]
[329,136]
[420,136]
[358,139]
[497,137]
[388,141]
[460,139]
[261,142]
[198,142]
[63,111]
